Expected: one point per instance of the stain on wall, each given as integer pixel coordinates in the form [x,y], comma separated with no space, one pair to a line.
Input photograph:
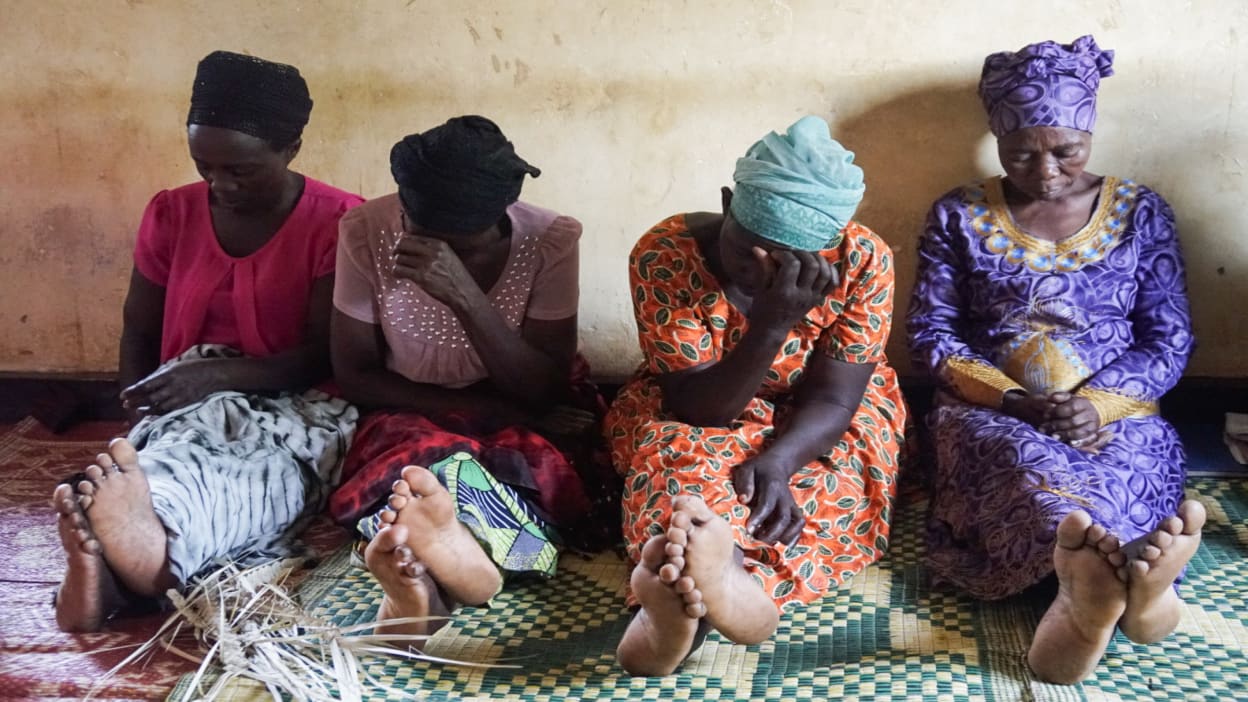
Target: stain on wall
[633,111]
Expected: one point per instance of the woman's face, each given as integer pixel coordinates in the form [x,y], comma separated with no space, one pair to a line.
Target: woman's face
[461,244]
[1044,163]
[737,253]
[245,174]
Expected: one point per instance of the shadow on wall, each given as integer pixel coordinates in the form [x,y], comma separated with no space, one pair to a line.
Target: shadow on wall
[913,147]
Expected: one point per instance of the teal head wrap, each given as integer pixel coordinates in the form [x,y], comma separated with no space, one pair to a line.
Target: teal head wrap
[799,189]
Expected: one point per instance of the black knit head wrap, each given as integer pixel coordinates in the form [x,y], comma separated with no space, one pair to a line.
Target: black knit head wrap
[250,95]
[460,177]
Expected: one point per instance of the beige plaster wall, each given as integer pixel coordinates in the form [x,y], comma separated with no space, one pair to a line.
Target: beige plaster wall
[634,110]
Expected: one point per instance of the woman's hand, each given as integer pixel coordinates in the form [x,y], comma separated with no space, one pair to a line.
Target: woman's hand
[1031,408]
[175,387]
[1072,420]
[774,514]
[434,266]
[796,281]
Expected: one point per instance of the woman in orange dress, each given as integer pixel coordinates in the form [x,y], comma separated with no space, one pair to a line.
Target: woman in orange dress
[759,441]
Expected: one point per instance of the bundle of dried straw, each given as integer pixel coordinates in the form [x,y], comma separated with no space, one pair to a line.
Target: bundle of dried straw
[246,624]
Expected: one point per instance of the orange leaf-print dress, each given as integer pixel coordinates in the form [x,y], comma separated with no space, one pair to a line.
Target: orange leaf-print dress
[684,320]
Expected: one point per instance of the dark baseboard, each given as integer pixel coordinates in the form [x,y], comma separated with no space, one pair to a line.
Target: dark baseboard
[59,401]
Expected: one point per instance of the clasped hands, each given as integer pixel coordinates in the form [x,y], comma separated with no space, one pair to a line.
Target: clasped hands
[1063,416]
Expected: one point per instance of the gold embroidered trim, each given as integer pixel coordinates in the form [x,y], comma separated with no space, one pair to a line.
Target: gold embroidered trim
[977,381]
[1111,406]
[991,220]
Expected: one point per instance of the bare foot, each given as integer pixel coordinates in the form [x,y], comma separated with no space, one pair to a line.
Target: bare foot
[1153,607]
[118,504]
[439,541]
[661,635]
[88,594]
[1077,627]
[410,592]
[713,578]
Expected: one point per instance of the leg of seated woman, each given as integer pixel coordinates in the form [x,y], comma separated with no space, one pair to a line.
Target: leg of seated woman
[89,592]
[662,633]
[735,604]
[1076,629]
[410,591]
[439,541]
[695,569]
[118,505]
[1153,606]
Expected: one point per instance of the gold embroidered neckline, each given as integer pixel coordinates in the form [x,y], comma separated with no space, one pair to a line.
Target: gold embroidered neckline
[991,220]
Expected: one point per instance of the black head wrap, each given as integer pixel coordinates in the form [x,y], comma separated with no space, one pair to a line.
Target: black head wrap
[460,177]
[250,95]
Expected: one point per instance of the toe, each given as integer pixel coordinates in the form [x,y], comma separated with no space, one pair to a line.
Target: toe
[1170,525]
[675,550]
[63,499]
[420,480]
[400,487]
[695,611]
[86,488]
[669,574]
[388,516]
[686,586]
[652,553]
[412,569]
[1071,532]
[1193,515]
[94,473]
[1137,569]
[105,463]
[1162,539]
[123,454]
[1109,544]
[88,543]
[396,502]
[1094,534]
[696,508]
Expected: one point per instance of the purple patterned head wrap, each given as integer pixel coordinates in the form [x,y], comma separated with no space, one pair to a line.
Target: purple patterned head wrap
[1044,85]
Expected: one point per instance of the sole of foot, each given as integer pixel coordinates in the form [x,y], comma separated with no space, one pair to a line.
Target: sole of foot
[1153,607]
[439,541]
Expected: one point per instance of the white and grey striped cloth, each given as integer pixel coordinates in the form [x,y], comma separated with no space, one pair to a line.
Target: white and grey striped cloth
[236,476]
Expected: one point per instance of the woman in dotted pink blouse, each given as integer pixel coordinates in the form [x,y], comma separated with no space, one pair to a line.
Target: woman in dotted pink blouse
[455,323]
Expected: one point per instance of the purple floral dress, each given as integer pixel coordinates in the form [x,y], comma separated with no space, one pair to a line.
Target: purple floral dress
[1102,314]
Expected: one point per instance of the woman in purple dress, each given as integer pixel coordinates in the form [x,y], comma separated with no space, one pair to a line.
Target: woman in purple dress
[1050,305]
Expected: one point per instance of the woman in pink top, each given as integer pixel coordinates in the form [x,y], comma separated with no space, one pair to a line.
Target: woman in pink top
[455,318]
[226,330]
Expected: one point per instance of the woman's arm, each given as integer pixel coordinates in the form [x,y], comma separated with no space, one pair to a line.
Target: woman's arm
[936,319]
[142,323]
[532,367]
[713,394]
[824,406]
[359,359]
[296,369]
[1161,321]
[1161,325]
